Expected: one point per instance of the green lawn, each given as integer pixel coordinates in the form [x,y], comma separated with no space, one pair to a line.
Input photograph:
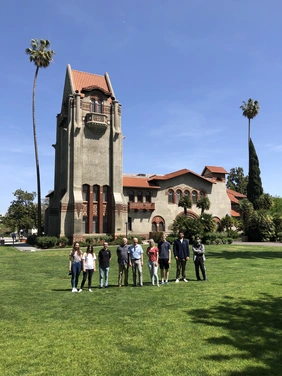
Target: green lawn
[230,325]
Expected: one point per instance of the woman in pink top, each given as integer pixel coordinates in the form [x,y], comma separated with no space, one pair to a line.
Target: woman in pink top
[153,258]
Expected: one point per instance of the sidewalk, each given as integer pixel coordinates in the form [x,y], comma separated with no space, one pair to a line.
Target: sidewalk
[23,247]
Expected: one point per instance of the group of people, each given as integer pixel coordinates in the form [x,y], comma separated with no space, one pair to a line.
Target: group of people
[131,256]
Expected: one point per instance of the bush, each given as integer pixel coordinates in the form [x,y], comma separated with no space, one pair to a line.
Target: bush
[31,240]
[229,240]
[46,241]
[217,241]
[63,241]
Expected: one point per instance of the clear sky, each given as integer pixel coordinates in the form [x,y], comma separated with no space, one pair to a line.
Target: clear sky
[180,69]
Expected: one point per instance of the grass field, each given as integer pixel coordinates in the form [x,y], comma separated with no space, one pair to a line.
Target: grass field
[230,325]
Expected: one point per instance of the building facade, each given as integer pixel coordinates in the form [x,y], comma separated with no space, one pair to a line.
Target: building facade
[91,195]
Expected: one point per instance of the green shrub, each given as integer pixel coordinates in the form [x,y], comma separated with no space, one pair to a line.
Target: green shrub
[63,241]
[229,240]
[217,241]
[46,241]
[31,240]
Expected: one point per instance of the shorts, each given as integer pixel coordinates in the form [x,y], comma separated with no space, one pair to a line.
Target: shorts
[164,264]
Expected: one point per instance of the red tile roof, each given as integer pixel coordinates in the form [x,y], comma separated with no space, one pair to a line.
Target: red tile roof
[85,80]
[232,198]
[235,194]
[175,174]
[234,213]
[215,169]
[138,182]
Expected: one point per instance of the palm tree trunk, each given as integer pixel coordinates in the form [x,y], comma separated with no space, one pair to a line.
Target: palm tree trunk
[36,156]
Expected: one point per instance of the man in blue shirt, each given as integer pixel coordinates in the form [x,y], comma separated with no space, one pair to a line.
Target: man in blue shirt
[135,252]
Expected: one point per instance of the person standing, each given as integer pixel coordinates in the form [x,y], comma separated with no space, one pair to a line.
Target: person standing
[104,258]
[135,252]
[182,254]
[88,267]
[75,257]
[164,258]
[153,258]
[122,255]
[199,259]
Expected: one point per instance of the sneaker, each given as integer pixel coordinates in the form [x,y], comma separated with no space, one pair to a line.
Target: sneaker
[166,282]
[74,289]
[80,290]
[177,280]
[89,290]
[185,280]
[162,283]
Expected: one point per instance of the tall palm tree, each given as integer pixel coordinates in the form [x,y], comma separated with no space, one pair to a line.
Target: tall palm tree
[40,54]
[250,110]
[186,203]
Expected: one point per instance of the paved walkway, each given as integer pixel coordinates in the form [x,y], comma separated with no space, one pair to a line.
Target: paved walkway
[23,247]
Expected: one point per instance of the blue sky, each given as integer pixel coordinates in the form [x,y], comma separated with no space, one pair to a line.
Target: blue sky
[180,69]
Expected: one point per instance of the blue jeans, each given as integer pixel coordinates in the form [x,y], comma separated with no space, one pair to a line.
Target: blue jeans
[75,270]
[104,273]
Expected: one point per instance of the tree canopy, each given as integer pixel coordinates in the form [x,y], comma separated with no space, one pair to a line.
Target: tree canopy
[254,187]
[237,181]
[21,214]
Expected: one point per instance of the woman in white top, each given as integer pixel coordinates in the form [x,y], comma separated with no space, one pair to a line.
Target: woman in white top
[88,267]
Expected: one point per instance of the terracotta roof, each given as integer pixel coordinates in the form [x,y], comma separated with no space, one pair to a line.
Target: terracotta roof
[175,174]
[215,169]
[235,194]
[85,80]
[232,198]
[137,182]
[234,213]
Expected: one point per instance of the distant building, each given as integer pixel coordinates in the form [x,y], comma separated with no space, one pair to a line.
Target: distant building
[92,196]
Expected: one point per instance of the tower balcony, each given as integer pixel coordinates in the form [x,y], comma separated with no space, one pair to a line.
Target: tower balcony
[98,123]
[145,206]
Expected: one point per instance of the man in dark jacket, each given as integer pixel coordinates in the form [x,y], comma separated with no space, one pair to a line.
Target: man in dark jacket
[182,254]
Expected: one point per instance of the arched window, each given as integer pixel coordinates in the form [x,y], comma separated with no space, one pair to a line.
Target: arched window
[178,195]
[105,193]
[161,227]
[194,197]
[154,227]
[95,193]
[139,196]
[170,196]
[85,192]
[202,194]
[92,105]
[99,106]
[186,193]
[148,196]
[131,196]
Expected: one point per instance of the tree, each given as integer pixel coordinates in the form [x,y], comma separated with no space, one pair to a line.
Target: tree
[237,181]
[203,204]
[41,56]
[265,201]
[250,110]
[186,203]
[254,187]
[245,209]
[207,222]
[21,214]
[190,226]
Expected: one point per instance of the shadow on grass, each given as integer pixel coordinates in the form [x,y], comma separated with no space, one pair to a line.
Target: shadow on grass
[253,333]
[228,255]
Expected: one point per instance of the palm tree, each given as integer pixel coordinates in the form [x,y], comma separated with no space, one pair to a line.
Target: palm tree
[250,110]
[40,54]
[186,203]
[203,204]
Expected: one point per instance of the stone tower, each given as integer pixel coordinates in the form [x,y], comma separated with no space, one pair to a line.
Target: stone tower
[88,195]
